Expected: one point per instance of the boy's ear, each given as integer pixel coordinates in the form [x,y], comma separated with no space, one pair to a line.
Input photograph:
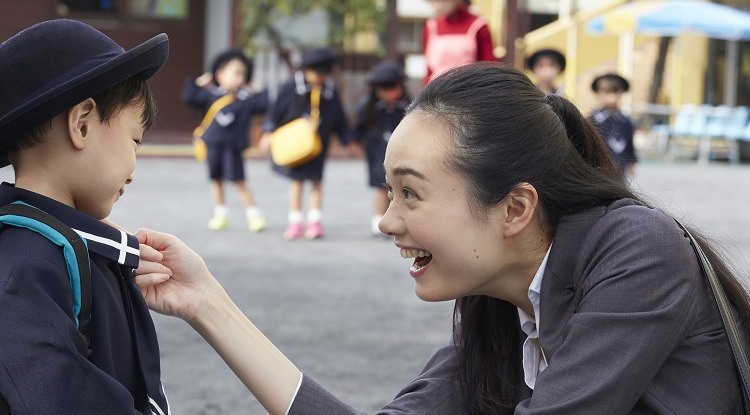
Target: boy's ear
[80,119]
[520,206]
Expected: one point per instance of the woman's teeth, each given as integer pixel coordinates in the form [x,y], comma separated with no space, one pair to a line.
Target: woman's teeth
[414,253]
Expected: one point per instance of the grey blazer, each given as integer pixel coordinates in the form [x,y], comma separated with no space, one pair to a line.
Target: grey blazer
[627,324]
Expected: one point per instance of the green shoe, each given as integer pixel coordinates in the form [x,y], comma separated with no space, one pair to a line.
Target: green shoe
[256,223]
[218,222]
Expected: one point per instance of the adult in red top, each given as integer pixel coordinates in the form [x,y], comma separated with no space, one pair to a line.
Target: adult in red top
[453,37]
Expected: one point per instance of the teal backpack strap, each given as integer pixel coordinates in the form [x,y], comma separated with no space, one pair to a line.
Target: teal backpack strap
[74,249]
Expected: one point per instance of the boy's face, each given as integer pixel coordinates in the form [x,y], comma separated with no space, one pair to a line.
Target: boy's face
[546,70]
[109,162]
[608,94]
[232,76]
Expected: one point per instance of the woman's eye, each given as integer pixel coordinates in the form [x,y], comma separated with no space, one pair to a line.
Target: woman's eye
[408,194]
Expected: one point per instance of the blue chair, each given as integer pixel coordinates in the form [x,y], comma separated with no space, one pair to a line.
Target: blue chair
[690,122]
[682,121]
[737,123]
[718,121]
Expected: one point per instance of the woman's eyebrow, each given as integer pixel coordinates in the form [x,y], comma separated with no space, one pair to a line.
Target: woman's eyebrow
[403,171]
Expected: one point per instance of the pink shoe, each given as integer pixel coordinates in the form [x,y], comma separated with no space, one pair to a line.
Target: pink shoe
[293,231]
[314,230]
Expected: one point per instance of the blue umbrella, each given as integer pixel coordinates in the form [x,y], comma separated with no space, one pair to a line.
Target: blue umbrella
[672,17]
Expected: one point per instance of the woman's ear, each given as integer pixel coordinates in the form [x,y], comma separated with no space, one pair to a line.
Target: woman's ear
[81,119]
[520,208]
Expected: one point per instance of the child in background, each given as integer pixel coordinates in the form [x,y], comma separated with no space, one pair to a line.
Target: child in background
[292,102]
[75,107]
[546,65]
[377,117]
[453,37]
[615,128]
[225,92]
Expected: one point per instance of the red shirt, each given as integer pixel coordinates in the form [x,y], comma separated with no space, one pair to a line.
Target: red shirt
[459,22]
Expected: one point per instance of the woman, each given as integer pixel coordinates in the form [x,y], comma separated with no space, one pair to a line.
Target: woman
[454,37]
[572,295]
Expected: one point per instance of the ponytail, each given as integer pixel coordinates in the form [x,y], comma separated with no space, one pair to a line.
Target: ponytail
[584,137]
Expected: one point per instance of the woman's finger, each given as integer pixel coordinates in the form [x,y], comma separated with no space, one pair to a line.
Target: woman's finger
[144,281]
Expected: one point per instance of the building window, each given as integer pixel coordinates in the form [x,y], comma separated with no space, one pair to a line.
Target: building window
[90,5]
[410,36]
[158,9]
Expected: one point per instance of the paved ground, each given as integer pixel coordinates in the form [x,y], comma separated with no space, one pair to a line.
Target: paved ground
[343,308]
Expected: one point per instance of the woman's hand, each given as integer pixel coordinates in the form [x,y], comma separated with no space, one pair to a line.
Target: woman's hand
[174,279]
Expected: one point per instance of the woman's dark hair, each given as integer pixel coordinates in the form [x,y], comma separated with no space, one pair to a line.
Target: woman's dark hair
[506,132]
[108,103]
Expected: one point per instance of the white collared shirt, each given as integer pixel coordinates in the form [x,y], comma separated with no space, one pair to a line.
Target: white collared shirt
[534,361]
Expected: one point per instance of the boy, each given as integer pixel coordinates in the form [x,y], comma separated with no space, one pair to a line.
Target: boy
[228,107]
[74,109]
[547,65]
[614,127]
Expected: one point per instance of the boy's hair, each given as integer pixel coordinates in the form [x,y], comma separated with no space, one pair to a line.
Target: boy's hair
[617,82]
[109,102]
[229,55]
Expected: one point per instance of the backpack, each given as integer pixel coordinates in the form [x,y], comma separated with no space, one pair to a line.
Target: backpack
[76,254]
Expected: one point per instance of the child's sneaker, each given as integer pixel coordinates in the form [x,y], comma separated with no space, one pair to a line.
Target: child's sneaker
[218,222]
[293,231]
[256,223]
[314,230]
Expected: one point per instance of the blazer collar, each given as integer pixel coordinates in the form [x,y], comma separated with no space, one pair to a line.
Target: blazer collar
[102,239]
[557,293]
[558,300]
[303,87]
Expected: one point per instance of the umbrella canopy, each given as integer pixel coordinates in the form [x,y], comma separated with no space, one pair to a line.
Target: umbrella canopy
[672,17]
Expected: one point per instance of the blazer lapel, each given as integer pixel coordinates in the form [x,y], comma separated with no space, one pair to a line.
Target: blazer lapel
[557,303]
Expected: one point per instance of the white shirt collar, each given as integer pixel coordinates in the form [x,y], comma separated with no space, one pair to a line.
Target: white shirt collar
[534,361]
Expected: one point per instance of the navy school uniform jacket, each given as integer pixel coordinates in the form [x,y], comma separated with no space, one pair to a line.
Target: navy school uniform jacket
[231,126]
[374,124]
[616,130]
[44,367]
[292,102]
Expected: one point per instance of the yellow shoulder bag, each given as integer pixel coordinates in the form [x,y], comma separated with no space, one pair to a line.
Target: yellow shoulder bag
[297,141]
[199,146]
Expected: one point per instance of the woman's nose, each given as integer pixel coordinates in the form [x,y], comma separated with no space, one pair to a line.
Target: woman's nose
[389,224]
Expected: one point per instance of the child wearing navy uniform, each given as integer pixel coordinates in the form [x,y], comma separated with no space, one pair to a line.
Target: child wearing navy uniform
[615,128]
[377,117]
[546,65]
[293,101]
[74,109]
[227,135]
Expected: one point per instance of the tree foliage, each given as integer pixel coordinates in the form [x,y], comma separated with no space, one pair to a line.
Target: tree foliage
[346,17]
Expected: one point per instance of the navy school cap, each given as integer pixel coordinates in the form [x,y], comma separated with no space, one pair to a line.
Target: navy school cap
[54,65]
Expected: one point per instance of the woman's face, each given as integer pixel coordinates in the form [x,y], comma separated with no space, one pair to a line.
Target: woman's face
[455,253]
